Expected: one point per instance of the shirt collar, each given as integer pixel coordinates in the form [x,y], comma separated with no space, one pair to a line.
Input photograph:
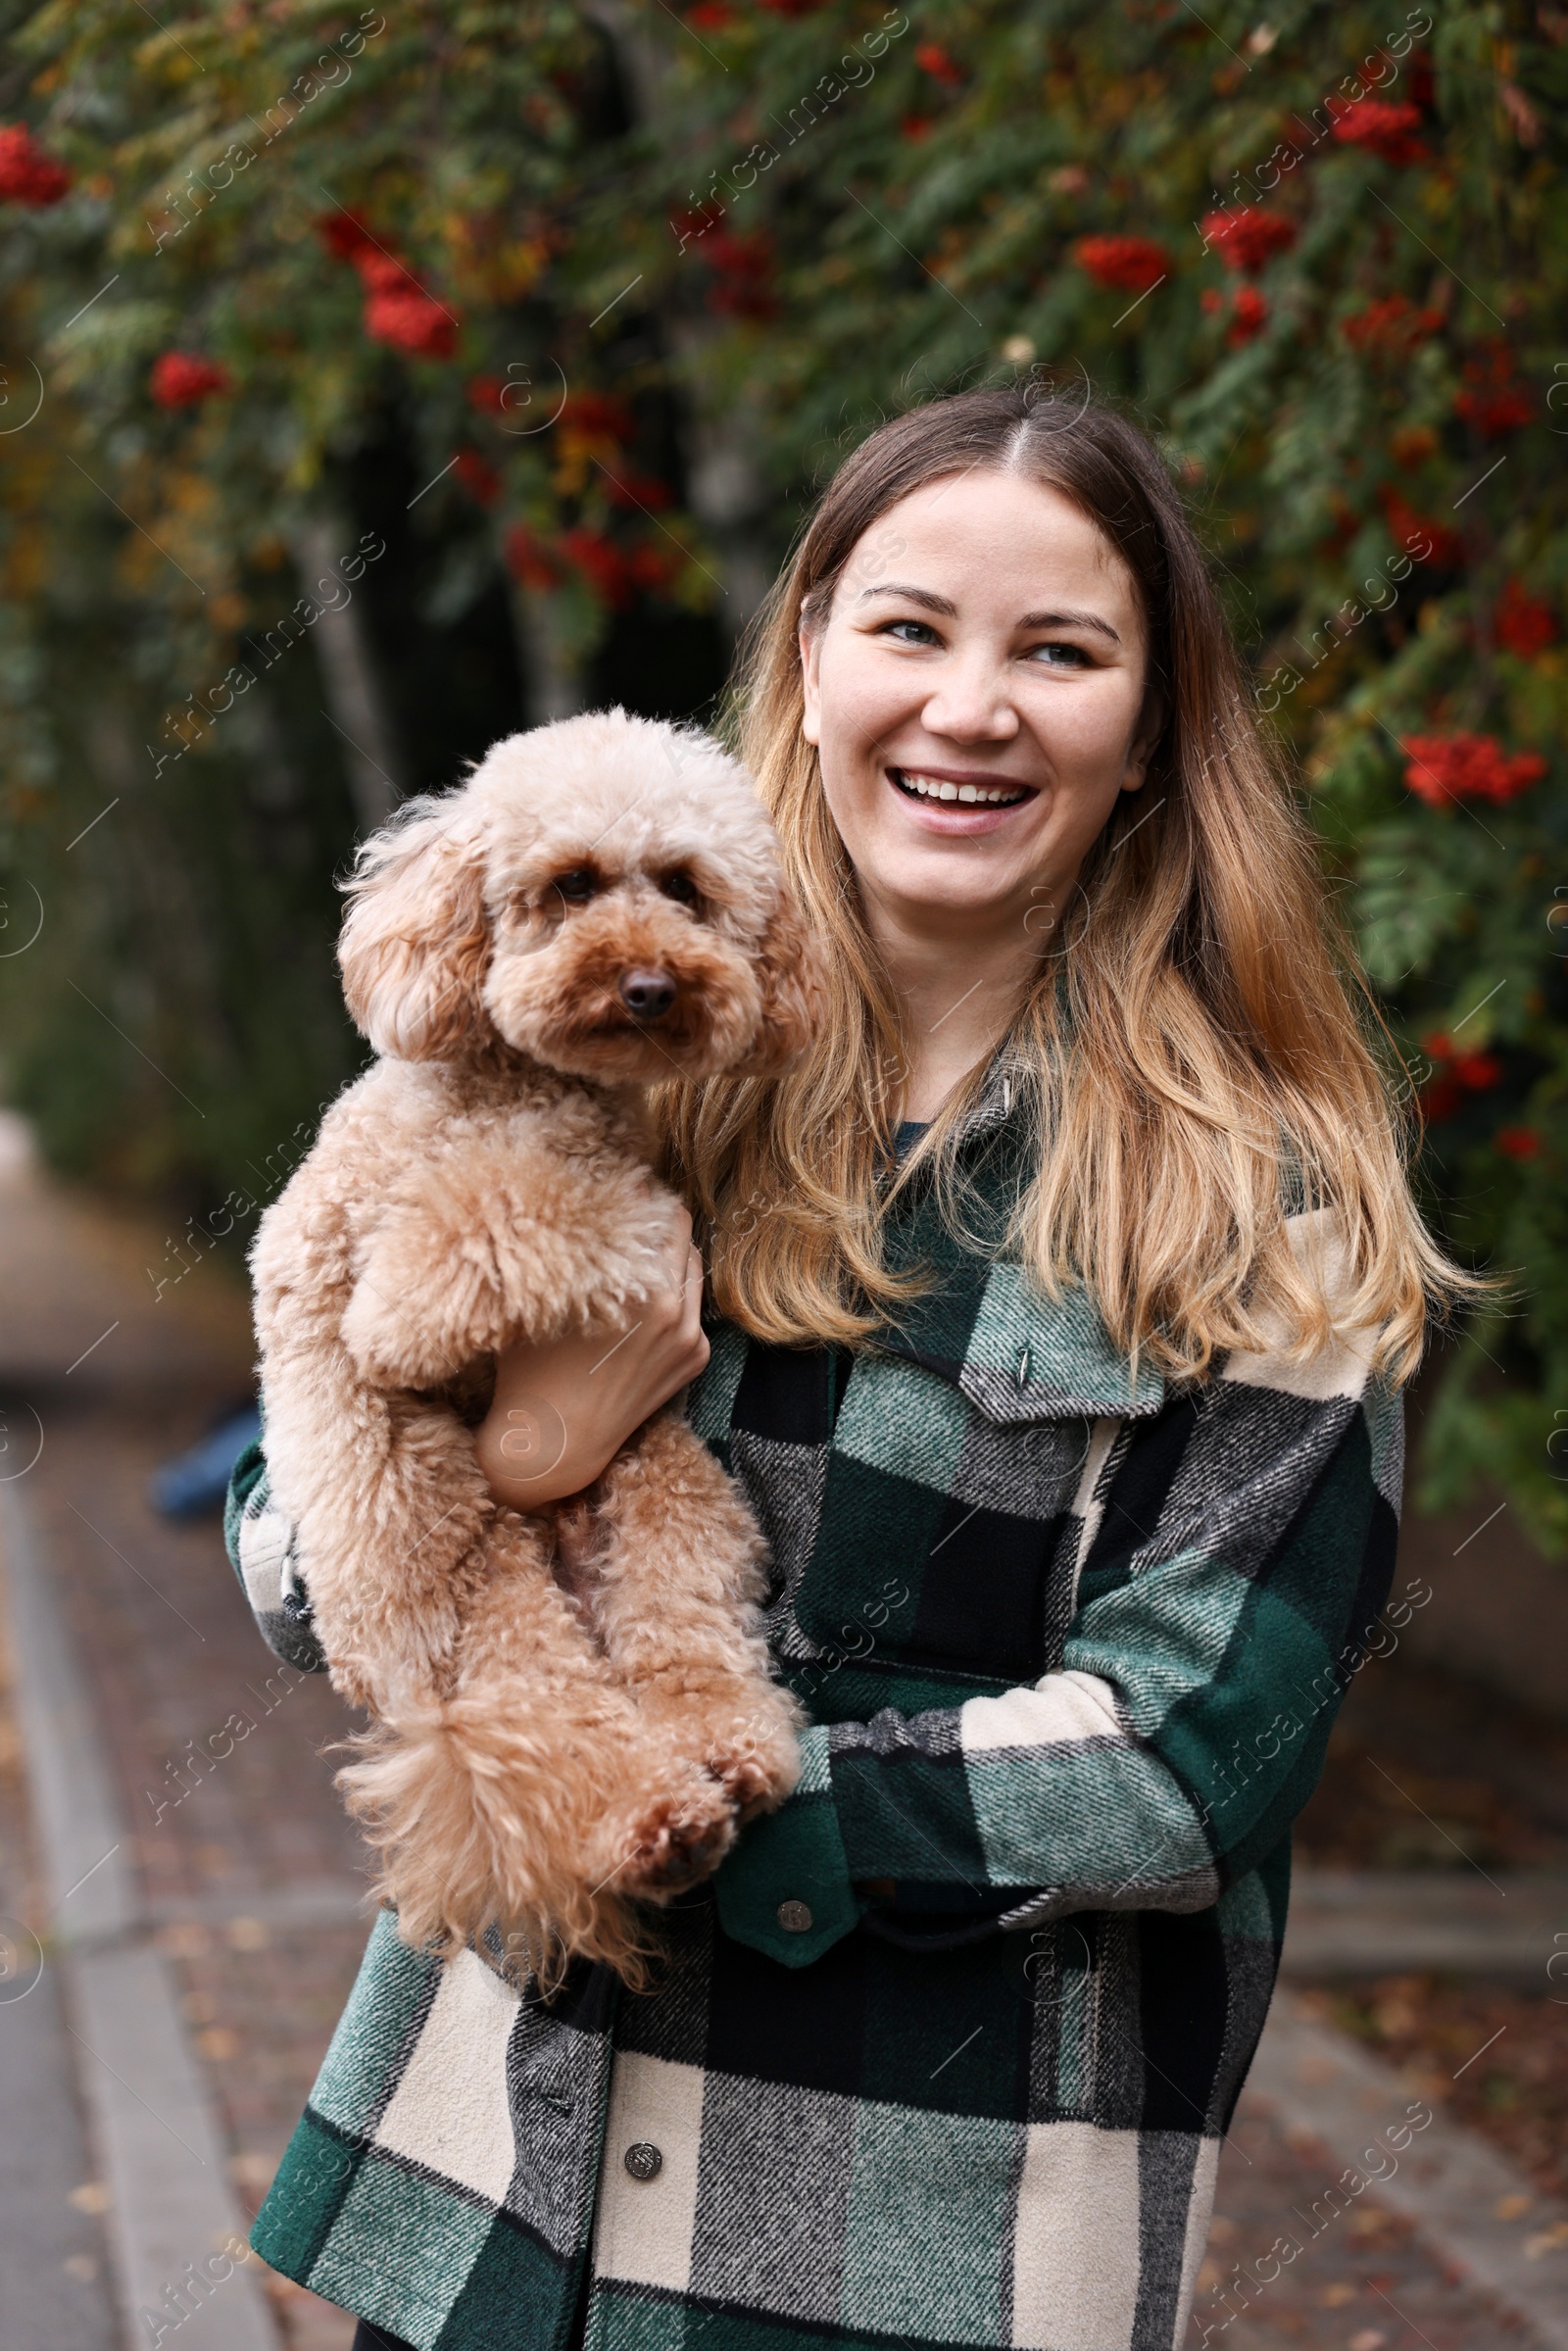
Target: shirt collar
[1018,1353]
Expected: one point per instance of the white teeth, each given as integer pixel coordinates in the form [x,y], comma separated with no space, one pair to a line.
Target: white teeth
[928,787]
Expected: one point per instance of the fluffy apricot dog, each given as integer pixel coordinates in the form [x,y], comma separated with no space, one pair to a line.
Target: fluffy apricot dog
[572,1708]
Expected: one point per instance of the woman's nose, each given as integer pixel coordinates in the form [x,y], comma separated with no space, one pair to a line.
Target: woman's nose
[971,703]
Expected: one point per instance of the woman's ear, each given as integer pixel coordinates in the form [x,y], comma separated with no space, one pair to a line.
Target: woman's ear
[414,943]
[811,646]
[1142,748]
[788,970]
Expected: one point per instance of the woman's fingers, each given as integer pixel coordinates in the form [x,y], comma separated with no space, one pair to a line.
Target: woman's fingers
[692,1293]
[682,1351]
[680,1246]
[695,1336]
[665,1312]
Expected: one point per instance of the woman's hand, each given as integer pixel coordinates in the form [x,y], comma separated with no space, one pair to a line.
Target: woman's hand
[562,1411]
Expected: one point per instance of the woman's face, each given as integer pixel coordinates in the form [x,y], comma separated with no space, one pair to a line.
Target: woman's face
[977,696]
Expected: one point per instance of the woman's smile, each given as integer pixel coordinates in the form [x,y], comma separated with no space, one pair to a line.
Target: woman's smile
[958,799]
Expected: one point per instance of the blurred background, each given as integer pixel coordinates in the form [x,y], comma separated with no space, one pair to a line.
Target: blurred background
[373,382]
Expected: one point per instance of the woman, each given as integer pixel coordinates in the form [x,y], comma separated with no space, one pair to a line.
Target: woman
[1062,1299]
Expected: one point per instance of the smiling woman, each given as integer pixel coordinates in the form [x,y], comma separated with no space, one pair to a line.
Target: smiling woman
[1001,595]
[1064,1287]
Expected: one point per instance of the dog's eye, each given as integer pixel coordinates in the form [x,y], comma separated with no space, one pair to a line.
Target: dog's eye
[577,886]
[680,887]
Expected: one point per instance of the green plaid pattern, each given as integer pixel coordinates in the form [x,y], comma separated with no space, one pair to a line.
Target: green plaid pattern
[1071,1646]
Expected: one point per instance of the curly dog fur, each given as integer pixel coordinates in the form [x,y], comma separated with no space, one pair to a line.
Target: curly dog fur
[573,1708]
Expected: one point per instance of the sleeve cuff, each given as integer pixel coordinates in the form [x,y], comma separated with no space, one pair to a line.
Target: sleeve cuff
[785,1890]
[244,1477]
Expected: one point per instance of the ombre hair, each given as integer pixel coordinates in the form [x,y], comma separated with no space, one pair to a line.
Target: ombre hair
[1197,1051]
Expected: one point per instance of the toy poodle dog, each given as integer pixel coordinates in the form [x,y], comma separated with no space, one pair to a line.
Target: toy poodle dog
[573,1707]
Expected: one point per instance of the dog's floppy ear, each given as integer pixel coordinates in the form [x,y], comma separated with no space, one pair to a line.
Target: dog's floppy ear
[415,942]
[788,970]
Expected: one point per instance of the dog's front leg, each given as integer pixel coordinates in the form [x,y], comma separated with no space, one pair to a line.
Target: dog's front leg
[486,1245]
[680,1568]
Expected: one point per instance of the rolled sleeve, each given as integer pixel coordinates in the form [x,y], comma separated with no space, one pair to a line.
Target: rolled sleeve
[785,1890]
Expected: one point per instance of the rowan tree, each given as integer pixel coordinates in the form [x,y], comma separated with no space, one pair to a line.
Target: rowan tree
[567,308]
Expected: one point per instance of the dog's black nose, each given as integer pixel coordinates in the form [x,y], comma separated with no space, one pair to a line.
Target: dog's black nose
[647,995]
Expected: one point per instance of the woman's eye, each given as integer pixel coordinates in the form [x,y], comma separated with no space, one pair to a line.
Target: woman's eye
[578,886]
[1060,657]
[919,632]
[680,887]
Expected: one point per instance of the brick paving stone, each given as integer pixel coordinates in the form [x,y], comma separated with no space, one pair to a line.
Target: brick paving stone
[1364,2280]
[216,1748]
[54,2278]
[217,1751]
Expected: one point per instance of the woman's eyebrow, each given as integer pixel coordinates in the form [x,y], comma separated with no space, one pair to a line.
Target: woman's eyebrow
[1069,621]
[894,587]
[949,610]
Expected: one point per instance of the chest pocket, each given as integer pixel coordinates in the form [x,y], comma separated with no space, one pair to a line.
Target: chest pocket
[944,1539]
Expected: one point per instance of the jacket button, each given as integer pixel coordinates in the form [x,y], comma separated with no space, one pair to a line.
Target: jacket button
[643,2160]
[794,1917]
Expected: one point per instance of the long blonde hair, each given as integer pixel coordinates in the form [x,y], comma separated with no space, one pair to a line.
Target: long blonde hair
[1189,1051]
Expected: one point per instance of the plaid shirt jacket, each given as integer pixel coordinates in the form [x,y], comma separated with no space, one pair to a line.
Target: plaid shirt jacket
[1071,1644]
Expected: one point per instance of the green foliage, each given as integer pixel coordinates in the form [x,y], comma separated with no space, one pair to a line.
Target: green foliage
[737,238]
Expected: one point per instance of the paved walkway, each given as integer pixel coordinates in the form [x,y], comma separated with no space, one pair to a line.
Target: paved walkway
[244,1893]
[241,1889]
[54,2287]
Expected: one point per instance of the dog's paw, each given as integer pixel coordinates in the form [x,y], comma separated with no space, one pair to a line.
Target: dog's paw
[752,1782]
[746,1738]
[675,1839]
[756,1769]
